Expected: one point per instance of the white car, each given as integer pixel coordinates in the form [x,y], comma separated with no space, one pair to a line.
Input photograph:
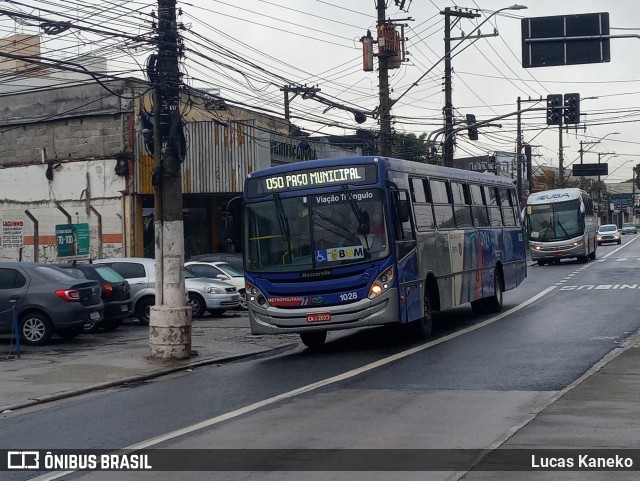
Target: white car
[608,233]
[222,271]
[203,294]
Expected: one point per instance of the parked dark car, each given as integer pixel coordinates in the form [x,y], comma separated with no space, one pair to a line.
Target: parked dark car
[233,258]
[115,293]
[46,301]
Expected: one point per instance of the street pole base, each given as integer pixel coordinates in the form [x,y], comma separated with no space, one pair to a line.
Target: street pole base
[170,332]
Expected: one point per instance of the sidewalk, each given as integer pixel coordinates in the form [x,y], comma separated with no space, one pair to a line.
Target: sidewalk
[94,361]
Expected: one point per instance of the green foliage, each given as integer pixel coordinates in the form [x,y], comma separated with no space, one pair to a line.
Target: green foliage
[411,147]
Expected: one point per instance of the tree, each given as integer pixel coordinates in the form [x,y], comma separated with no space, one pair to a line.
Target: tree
[411,147]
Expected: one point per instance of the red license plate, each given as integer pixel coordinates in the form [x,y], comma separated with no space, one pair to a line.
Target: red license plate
[319,317]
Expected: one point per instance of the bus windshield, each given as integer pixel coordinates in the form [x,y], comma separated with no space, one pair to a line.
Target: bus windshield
[315,231]
[553,222]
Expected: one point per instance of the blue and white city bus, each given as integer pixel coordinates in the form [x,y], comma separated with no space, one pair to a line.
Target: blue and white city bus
[343,243]
[561,224]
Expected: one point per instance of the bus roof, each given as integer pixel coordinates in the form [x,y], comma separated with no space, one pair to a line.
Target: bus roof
[398,165]
[554,195]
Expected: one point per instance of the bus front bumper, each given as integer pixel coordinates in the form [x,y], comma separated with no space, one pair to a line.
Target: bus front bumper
[277,320]
[559,250]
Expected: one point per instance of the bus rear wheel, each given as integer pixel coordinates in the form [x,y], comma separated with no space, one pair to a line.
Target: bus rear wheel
[313,340]
[423,326]
[494,303]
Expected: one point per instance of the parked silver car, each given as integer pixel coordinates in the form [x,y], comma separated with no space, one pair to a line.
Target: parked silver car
[203,294]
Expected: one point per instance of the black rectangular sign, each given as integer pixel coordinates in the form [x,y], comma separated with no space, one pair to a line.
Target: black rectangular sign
[565,40]
[586,170]
[310,178]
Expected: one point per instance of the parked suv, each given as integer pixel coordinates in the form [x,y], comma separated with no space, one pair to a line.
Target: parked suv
[46,301]
[114,292]
[203,294]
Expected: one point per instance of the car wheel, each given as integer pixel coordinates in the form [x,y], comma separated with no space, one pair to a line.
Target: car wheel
[541,263]
[35,329]
[217,312]
[143,310]
[197,305]
[620,242]
[313,340]
[71,333]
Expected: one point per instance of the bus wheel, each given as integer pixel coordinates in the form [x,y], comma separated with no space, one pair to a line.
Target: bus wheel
[592,256]
[422,327]
[313,340]
[583,259]
[494,303]
[541,263]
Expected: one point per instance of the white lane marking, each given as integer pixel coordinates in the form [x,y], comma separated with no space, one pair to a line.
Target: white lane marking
[620,247]
[311,387]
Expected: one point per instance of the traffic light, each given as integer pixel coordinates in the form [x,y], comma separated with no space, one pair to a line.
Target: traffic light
[554,109]
[571,108]
[472,129]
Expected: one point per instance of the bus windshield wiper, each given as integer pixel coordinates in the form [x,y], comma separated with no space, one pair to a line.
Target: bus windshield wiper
[283,222]
[363,224]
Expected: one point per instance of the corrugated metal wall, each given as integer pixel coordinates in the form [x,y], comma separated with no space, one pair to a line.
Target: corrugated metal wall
[219,157]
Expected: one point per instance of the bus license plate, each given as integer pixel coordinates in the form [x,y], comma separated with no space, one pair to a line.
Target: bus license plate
[94,315]
[319,317]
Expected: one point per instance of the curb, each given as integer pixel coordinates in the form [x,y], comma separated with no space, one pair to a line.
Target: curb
[144,377]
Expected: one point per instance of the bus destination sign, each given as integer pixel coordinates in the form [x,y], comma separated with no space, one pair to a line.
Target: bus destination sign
[303,179]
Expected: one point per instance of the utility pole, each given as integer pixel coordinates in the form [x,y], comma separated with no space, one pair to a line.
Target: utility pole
[447,147]
[170,318]
[386,139]
[306,92]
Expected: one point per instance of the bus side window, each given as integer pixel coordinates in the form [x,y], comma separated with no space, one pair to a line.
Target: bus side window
[491,196]
[442,207]
[402,226]
[422,207]
[478,206]
[462,210]
[508,216]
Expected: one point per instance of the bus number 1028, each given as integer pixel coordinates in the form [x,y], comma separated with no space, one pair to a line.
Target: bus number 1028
[349,296]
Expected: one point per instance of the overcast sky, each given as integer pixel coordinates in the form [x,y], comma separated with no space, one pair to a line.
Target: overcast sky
[250,49]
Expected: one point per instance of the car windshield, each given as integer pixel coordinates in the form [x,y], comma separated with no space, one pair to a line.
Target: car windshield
[230,270]
[74,272]
[551,222]
[108,274]
[607,228]
[315,231]
[628,224]
[53,274]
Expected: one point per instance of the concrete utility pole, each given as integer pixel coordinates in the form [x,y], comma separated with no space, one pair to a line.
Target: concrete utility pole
[447,147]
[386,139]
[170,318]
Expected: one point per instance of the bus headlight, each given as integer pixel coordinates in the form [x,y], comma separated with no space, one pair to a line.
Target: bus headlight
[382,283]
[577,243]
[253,294]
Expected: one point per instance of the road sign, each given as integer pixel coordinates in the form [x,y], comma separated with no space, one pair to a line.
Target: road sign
[565,40]
[586,170]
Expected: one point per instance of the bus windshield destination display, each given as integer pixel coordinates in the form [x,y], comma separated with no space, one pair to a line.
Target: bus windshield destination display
[312,178]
